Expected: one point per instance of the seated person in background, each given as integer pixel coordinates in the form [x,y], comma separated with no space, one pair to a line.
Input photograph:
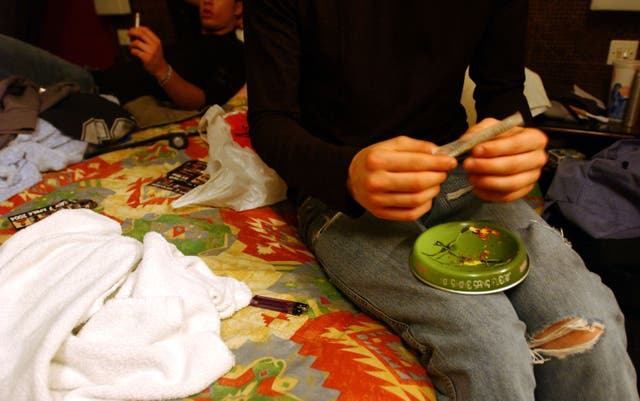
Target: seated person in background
[347,101]
[205,70]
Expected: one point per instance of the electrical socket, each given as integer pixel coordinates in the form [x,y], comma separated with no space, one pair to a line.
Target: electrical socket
[622,49]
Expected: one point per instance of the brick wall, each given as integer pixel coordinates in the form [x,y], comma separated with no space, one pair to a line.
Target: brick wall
[568,43]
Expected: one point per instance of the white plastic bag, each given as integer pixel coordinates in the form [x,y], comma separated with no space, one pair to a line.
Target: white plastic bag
[239,179]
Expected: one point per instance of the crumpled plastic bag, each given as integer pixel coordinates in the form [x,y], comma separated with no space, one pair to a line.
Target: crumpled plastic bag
[239,179]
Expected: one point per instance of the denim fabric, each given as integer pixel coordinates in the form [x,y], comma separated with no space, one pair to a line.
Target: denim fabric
[474,347]
[40,66]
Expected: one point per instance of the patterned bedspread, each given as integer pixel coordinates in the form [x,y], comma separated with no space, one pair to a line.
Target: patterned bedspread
[332,352]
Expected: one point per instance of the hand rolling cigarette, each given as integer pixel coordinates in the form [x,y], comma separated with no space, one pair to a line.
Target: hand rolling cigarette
[462,145]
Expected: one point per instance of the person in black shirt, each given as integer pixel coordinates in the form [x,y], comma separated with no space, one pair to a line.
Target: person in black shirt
[347,100]
[194,72]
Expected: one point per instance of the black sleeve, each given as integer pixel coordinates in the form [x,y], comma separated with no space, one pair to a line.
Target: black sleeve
[273,55]
[498,64]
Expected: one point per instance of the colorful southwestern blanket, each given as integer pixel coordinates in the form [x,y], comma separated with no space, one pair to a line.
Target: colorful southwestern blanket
[331,352]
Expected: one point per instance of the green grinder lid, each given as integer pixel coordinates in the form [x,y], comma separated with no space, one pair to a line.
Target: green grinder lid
[470,257]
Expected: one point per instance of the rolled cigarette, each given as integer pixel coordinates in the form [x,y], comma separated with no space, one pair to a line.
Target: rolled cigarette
[462,145]
[137,20]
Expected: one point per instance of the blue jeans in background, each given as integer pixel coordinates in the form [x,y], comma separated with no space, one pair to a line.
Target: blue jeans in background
[40,66]
[475,347]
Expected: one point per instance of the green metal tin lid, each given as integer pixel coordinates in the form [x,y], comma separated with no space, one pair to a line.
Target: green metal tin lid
[470,257]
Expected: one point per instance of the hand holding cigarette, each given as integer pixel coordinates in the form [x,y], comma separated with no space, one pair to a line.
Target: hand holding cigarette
[147,46]
[462,145]
[508,166]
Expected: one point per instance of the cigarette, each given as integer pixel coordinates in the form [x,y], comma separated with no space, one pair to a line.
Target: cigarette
[279,305]
[137,20]
[462,145]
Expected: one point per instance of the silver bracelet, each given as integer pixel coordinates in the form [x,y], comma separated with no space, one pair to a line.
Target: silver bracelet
[167,76]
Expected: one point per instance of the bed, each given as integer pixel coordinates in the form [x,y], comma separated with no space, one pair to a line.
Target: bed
[330,352]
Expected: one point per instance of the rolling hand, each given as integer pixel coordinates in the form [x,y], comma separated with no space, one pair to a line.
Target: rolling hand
[507,167]
[397,179]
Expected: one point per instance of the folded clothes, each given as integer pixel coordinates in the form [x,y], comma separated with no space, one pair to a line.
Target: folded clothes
[25,157]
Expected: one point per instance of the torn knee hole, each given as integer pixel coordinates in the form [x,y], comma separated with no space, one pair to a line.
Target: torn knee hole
[566,337]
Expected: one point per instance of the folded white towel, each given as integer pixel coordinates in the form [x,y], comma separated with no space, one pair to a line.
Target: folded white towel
[157,335]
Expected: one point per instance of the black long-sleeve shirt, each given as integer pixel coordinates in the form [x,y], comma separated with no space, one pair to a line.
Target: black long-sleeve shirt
[329,77]
[214,63]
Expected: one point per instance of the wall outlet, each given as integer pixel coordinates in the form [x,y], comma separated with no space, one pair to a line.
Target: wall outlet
[622,49]
[123,37]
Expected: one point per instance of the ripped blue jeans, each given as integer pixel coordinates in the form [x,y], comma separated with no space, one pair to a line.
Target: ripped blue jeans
[481,347]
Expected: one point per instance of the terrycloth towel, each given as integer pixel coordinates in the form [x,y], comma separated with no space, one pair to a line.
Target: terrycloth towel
[88,314]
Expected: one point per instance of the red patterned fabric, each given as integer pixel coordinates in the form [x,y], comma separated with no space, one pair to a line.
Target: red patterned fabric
[332,352]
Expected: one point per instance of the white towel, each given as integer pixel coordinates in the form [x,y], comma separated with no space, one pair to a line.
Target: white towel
[157,335]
